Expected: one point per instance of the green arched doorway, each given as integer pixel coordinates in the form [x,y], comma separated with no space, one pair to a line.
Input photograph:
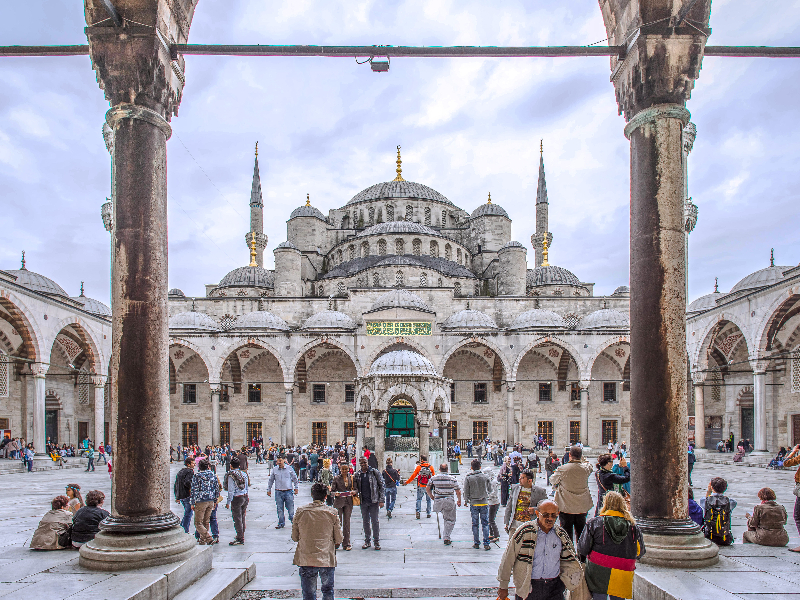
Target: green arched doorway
[401,419]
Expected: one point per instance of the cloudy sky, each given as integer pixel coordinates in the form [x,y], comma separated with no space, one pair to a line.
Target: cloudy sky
[328,127]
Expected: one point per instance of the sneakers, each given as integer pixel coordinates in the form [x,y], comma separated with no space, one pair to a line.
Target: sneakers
[417,515]
[236,543]
[487,547]
[389,514]
[429,515]
[279,526]
[447,542]
[377,546]
[476,546]
[366,545]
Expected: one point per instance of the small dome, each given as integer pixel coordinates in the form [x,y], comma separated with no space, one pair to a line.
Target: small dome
[38,283]
[193,320]
[398,227]
[551,275]
[402,362]
[494,210]
[398,189]
[176,293]
[400,298]
[706,302]
[248,277]
[261,319]
[605,317]
[622,290]
[329,319]
[513,244]
[307,211]
[287,244]
[469,319]
[94,306]
[538,317]
[760,279]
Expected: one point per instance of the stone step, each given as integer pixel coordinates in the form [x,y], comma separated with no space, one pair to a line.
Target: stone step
[222,582]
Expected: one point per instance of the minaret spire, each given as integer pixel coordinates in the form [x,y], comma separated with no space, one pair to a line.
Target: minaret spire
[542,207]
[256,232]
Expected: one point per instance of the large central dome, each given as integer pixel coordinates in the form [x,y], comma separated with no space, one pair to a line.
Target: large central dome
[399,189]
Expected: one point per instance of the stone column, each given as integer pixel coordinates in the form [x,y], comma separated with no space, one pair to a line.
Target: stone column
[698,381]
[583,388]
[379,423]
[424,430]
[361,423]
[39,440]
[510,428]
[144,86]
[99,382]
[290,416]
[216,390]
[759,406]
[443,435]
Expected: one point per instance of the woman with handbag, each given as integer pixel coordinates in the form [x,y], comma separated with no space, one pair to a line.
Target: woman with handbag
[792,460]
[55,529]
[344,500]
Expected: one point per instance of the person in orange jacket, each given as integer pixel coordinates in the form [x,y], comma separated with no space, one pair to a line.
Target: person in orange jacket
[422,474]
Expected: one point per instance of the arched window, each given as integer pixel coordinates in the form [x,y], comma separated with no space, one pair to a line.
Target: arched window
[381,247]
[448,252]
[372,215]
[795,372]
[379,218]
[376,280]
[458,255]
[399,246]
[477,289]
[339,256]
[390,212]
[398,279]
[340,289]
[352,249]
[435,249]
[321,291]
[364,249]
[423,280]
[439,283]
[457,289]
[409,212]
[361,217]
[427,215]
[5,369]
[416,247]
[444,218]
[346,221]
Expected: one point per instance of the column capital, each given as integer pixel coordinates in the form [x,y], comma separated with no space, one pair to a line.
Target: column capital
[583,384]
[511,385]
[99,381]
[655,113]
[132,111]
[39,370]
[288,388]
[759,365]
[698,377]
[216,387]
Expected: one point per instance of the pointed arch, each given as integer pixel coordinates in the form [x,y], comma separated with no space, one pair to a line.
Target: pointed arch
[707,347]
[21,319]
[475,340]
[85,340]
[176,341]
[387,347]
[781,310]
[556,341]
[254,342]
[292,372]
[402,389]
[604,345]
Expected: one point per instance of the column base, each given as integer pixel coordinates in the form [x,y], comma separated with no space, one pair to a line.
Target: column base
[676,544]
[122,552]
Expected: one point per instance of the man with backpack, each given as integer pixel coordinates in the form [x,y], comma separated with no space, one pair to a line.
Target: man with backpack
[237,485]
[422,474]
[183,491]
[717,510]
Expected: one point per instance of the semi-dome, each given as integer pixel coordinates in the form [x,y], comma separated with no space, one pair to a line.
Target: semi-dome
[400,298]
[622,290]
[38,283]
[402,362]
[551,275]
[193,320]
[513,244]
[93,306]
[176,293]
[398,227]
[261,319]
[287,244]
[706,302]
[489,209]
[469,319]
[605,317]
[398,189]
[760,279]
[248,277]
[329,319]
[538,317]
[307,211]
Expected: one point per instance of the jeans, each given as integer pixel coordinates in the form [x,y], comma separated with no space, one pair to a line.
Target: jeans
[369,515]
[602,596]
[239,512]
[573,521]
[420,493]
[284,498]
[103,456]
[480,521]
[391,498]
[308,582]
[29,461]
[187,514]
[90,465]
[493,531]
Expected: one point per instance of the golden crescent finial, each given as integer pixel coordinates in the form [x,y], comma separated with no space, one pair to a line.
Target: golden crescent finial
[253,262]
[399,169]
[308,199]
[544,252]
[489,201]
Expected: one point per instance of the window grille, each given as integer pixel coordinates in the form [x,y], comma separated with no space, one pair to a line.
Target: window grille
[399,247]
[381,247]
[376,280]
[452,430]
[423,280]
[448,252]
[340,289]
[574,432]
[545,392]
[190,393]
[574,393]
[254,392]
[5,370]
[444,218]
[365,249]
[479,393]
[321,291]
[716,388]
[427,216]
[609,392]
[254,430]
[319,433]
[352,252]
[83,387]
[225,432]
[480,431]
[609,432]
[458,255]
[339,257]
[349,429]
[452,392]
[389,212]
[409,212]
[189,434]
[545,430]
[319,393]
[416,247]
[795,371]
[434,249]
[457,289]
[371,215]
[398,279]
[349,392]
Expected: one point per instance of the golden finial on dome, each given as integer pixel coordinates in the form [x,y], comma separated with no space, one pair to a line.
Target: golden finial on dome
[308,199]
[544,252]
[489,201]
[253,262]
[541,146]
[399,169]
[256,149]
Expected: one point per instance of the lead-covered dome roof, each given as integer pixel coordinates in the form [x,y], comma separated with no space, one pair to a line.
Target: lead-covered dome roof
[400,298]
[551,275]
[398,227]
[193,320]
[538,317]
[307,211]
[761,278]
[398,189]
[261,319]
[706,302]
[38,283]
[248,277]
[513,244]
[489,209]
[176,293]
[93,306]
[622,290]
[469,319]
[329,319]
[402,362]
[605,317]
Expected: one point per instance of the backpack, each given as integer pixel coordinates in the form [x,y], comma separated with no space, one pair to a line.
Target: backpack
[717,520]
[424,476]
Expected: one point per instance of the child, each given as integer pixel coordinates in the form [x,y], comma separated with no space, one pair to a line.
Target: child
[717,510]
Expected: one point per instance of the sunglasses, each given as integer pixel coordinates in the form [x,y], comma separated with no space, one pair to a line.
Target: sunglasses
[549,515]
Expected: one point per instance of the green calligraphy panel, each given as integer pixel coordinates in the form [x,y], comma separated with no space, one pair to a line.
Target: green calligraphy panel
[398,328]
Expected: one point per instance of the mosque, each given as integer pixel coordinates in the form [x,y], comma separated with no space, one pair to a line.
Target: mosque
[402,321]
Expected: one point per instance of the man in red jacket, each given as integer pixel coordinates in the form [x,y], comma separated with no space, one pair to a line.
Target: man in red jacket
[422,474]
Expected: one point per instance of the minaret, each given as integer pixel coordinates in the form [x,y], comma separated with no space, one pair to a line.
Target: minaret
[256,216]
[542,224]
